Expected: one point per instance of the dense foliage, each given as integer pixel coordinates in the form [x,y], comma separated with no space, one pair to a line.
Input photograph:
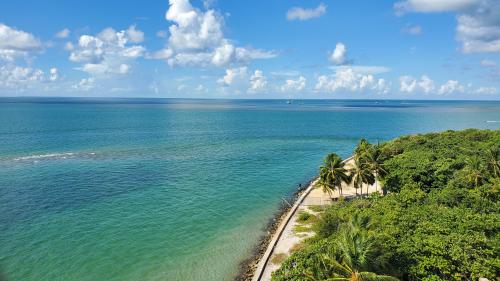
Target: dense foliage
[439,221]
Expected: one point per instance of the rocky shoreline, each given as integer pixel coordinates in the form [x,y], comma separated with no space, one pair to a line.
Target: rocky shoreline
[248,266]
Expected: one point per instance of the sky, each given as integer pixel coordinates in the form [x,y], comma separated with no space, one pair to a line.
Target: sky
[406,49]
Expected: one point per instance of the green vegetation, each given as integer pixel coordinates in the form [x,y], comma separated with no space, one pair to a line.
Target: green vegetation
[439,221]
[306,217]
[332,174]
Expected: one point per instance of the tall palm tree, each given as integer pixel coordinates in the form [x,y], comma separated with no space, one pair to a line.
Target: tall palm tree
[361,149]
[361,174]
[324,181]
[475,171]
[493,162]
[334,172]
[375,160]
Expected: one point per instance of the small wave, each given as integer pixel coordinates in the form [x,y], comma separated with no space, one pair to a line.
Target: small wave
[492,121]
[36,158]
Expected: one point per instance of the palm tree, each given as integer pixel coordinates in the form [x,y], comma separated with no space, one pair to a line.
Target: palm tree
[354,258]
[493,162]
[475,171]
[361,149]
[344,272]
[361,174]
[324,182]
[375,160]
[334,172]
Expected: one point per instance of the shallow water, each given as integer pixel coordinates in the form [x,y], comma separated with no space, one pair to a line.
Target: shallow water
[117,189]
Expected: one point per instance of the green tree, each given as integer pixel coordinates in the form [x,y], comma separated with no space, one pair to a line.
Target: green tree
[361,174]
[361,149]
[334,172]
[375,160]
[474,170]
[493,162]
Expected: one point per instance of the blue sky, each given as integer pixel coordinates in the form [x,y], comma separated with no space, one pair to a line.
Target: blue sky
[408,49]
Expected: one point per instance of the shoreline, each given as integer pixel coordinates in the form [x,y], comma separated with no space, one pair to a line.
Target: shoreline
[248,267]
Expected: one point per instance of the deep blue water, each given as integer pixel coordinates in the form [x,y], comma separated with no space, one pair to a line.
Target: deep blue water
[162,189]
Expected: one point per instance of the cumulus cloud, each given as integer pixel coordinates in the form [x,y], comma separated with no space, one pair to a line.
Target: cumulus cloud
[85,84]
[450,87]
[298,13]
[426,84]
[20,78]
[348,79]
[54,74]
[408,84]
[16,43]
[63,33]
[479,30]
[108,52]
[196,38]
[258,81]
[292,85]
[338,56]
[135,35]
[232,75]
[478,27]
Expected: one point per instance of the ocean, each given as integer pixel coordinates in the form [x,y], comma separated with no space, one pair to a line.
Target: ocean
[172,189]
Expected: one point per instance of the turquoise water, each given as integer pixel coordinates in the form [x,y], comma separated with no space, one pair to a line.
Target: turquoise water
[173,189]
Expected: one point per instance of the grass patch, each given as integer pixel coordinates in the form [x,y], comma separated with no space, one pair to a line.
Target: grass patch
[279,258]
[306,217]
[316,208]
[301,228]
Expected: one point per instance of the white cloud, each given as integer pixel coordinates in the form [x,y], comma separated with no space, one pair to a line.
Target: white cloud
[54,74]
[450,87]
[408,84]
[348,79]
[338,56]
[63,33]
[16,43]
[19,78]
[196,38]
[478,27]
[412,29]
[258,81]
[433,6]
[298,13]
[292,85]
[479,31]
[488,63]
[135,35]
[233,74]
[85,84]
[426,84]
[108,52]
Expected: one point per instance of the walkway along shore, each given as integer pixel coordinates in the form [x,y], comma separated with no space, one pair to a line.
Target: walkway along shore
[285,238]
